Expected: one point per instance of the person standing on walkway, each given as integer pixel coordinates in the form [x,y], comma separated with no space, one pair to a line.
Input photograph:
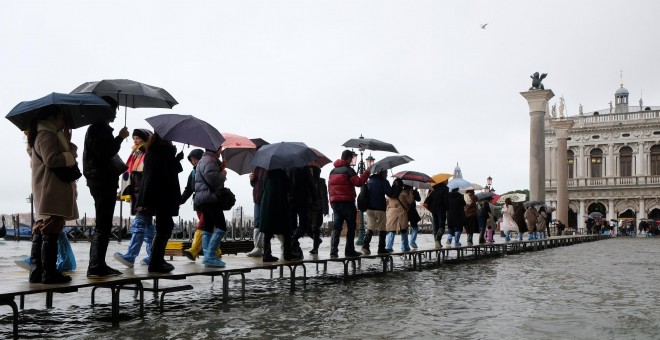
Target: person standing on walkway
[49,146]
[456,215]
[319,208]
[508,223]
[414,218]
[471,221]
[437,202]
[256,181]
[519,217]
[209,180]
[483,216]
[274,214]
[160,194]
[103,180]
[398,203]
[378,187]
[532,219]
[142,228]
[341,185]
[542,222]
[301,199]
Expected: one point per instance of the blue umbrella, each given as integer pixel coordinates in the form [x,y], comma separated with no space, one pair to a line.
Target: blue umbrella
[458,182]
[283,155]
[186,129]
[79,109]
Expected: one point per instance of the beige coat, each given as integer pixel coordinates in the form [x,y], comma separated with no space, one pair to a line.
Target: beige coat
[397,214]
[51,196]
[531,217]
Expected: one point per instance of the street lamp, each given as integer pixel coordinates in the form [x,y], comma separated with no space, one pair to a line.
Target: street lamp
[361,168]
[489,184]
[30,200]
[370,161]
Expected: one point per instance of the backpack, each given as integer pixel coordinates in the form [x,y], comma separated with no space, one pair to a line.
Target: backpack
[363,198]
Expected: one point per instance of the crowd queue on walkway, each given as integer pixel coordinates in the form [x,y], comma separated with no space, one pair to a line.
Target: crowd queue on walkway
[288,203]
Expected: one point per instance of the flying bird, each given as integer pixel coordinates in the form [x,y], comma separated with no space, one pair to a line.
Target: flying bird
[483,27]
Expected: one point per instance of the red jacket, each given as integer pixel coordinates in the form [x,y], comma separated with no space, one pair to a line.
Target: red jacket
[342,182]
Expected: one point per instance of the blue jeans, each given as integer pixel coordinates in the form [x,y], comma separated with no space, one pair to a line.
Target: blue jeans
[343,211]
[142,230]
[413,234]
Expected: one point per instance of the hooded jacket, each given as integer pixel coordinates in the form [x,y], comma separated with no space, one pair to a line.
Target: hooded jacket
[342,182]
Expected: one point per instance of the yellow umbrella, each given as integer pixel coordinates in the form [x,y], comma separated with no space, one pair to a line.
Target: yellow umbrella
[441,177]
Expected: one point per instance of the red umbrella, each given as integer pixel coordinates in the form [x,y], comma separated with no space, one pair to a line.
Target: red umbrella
[237,151]
[414,176]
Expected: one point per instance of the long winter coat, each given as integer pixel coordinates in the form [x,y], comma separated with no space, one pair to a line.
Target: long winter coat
[100,147]
[508,223]
[519,217]
[209,179]
[532,218]
[456,211]
[51,196]
[274,207]
[397,210]
[160,190]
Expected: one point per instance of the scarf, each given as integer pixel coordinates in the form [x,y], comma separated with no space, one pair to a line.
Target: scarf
[46,125]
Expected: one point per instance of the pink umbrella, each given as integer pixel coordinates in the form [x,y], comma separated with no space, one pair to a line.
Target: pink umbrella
[237,151]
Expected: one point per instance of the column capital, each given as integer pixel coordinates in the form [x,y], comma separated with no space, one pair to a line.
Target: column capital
[561,127]
[537,99]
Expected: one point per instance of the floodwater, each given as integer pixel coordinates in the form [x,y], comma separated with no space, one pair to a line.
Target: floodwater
[598,290]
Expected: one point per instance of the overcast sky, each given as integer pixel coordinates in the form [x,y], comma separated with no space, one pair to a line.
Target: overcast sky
[422,75]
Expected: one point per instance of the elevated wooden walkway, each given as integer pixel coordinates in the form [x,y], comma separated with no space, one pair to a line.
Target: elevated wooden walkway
[14,285]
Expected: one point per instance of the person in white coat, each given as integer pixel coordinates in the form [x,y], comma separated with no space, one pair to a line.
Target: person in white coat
[508,224]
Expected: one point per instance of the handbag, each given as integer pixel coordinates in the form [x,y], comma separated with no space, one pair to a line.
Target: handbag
[64,173]
[118,165]
[226,198]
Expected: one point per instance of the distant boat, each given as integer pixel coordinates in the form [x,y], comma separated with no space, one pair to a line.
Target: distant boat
[24,232]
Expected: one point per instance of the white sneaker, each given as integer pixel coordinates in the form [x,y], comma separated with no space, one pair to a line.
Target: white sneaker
[121,260]
[256,252]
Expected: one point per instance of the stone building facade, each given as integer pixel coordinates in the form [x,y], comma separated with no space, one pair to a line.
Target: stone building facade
[613,162]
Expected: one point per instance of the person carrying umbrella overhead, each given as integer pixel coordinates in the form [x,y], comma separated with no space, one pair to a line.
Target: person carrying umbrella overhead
[342,183]
[103,180]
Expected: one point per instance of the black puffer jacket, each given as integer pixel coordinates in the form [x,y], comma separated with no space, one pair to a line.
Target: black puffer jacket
[100,147]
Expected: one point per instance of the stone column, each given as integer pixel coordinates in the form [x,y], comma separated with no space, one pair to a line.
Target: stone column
[611,214]
[640,213]
[581,215]
[561,127]
[537,101]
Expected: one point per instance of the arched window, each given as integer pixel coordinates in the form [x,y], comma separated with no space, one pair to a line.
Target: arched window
[596,156]
[655,160]
[571,164]
[625,162]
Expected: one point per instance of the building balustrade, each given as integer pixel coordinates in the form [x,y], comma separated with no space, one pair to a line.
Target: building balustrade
[607,181]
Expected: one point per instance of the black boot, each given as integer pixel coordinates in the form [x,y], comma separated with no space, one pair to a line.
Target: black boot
[289,255]
[382,236]
[334,243]
[157,263]
[316,236]
[49,261]
[36,269]
[97,250]
[367,240]
[349,249]
[268,254]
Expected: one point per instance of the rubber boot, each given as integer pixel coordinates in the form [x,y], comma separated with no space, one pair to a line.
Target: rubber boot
[258,250]
[457,239]
[349,249]
[149,234]
[158,263]
[211,259]
[507,235]
[470,235]
[288,253]
[489,235]
[382,236]
[49,261]
[334,243]
[97,251]
[389,244]
[137,237]
[449,238]
[413,237]
[530,236]
[404,241]
[36,270]
[367,240]
[193,252]
[316,236]
[267,255]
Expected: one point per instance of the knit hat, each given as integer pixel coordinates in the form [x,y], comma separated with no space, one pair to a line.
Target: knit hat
[142,133]
[195,153]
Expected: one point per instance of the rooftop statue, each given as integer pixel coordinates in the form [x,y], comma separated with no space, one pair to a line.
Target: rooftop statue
[536,81]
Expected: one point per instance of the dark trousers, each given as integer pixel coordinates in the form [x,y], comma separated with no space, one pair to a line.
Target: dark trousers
[214,217]
[439,220]
[105,199]
[343,211]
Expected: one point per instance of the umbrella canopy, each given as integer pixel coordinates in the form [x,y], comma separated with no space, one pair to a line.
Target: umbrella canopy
[417,184]
[186,129]
[322,161]
[259,142]
[369,144]
[283,155]
[389,162]
[484,195]
[129,93]
[458,183]
[441,177]
[237,151]
[595,214]
[414,176]
[533,203]
[79,109]
[472,186]
[515,197]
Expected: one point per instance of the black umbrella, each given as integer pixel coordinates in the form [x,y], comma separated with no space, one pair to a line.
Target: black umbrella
[417,184]
[283,155]
[186,129]
[129,93]
[484,195]
[369,144]
[389,162]
[79,109]
[595,214]
[238,159]
[414,176]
